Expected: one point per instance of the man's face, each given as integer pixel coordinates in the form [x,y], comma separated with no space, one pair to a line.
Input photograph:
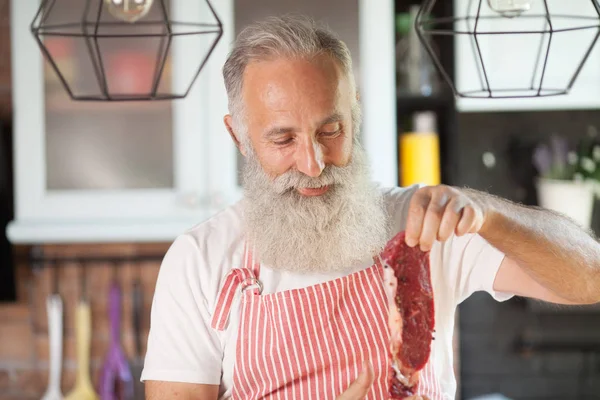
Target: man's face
[309,203]
[298,116]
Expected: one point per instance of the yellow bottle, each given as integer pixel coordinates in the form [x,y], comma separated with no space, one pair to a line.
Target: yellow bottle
[419,152]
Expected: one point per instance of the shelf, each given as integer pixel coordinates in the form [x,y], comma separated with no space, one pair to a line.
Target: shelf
[20,233]
[61,103]
[414,103]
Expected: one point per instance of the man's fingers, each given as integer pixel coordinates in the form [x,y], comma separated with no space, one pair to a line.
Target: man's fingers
[361,386]
[452,215]
[468,222]
[433,219]
[416,214]
[437,212]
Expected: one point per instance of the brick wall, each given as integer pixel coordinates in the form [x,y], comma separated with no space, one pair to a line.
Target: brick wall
[24,350]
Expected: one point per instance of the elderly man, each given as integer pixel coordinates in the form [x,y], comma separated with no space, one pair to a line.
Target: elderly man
[281,295]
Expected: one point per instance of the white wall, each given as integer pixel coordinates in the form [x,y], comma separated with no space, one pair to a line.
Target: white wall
[341,16]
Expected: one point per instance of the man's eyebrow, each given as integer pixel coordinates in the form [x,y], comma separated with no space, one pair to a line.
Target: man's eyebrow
[335,117]
[277,131]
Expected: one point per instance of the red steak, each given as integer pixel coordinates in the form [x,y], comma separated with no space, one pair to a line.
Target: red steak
[411,319]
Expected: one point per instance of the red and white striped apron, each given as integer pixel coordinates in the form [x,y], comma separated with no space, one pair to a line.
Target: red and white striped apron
[310,343]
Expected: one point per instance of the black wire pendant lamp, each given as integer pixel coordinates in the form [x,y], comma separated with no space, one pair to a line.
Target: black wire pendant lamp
[513,48]
[125,48]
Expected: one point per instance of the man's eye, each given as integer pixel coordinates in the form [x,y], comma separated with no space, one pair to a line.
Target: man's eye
[330,133]
[283,142]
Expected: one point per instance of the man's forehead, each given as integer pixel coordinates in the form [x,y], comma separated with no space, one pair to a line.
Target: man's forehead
[284,77]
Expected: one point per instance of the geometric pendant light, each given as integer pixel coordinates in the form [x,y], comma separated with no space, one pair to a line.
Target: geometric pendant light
[128,47]
[513,48]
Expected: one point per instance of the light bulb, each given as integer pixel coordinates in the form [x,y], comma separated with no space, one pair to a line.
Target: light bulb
[128,10]
[510,8]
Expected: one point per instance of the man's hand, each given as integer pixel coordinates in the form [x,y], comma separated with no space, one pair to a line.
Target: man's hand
[547,256]
[360,387]
[437,212]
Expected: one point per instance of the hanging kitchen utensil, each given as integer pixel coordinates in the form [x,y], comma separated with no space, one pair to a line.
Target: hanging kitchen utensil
[116,382]
[54,307]
[83,389]
[137,363]
[108,27]
[526,68]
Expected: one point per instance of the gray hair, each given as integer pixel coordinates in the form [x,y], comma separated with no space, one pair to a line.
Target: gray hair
[286,36]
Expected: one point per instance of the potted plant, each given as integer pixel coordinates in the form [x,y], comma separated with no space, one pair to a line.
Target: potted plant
[569,177]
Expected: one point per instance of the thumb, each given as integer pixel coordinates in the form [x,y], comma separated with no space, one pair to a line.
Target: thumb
[360,387]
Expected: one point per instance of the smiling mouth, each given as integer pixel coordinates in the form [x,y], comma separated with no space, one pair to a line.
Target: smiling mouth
[313,191]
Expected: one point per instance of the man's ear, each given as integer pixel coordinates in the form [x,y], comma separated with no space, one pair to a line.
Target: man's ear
[357,96]
[228,120]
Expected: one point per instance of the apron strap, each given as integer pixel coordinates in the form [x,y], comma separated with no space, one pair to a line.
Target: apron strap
[252,263]
[245,279]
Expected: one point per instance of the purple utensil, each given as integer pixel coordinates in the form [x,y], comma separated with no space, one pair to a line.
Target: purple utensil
[137,363]
[116,382]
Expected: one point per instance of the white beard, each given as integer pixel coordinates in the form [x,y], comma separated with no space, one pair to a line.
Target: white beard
[332,232]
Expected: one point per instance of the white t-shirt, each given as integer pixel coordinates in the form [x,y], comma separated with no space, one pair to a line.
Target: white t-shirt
[182,346]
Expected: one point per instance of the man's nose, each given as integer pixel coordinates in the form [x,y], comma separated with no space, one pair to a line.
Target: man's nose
[309,158]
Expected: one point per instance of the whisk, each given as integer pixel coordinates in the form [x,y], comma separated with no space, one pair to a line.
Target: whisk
[54,308]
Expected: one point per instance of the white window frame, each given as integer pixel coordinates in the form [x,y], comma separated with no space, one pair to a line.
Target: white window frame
[199,142]
[378,88]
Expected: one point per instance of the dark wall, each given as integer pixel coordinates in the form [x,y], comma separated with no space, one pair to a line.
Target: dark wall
[7,278]
[493,362]
[7,284]
[492,358]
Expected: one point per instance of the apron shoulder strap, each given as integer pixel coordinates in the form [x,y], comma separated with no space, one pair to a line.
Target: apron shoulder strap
[238,278]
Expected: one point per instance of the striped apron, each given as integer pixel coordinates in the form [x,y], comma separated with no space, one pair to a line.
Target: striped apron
[310,343]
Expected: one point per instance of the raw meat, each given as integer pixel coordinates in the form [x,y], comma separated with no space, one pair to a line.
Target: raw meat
[407,282]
